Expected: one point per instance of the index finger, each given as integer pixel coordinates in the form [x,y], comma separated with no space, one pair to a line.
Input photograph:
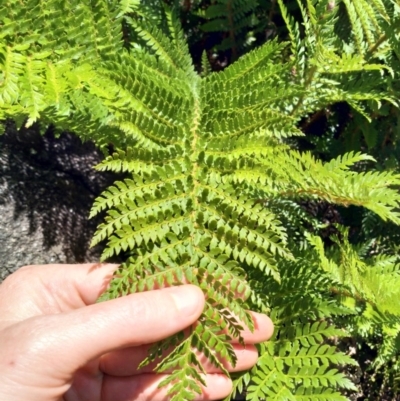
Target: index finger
[55,288]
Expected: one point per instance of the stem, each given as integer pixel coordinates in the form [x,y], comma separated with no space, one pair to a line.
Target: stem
[310,77]
[383,38]
[186,5]
[232,31]
[272,10]
[314,192]
[374,48]
[346,293]
[316,116]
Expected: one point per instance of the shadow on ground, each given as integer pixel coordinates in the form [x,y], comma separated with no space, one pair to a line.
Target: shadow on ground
[47,187]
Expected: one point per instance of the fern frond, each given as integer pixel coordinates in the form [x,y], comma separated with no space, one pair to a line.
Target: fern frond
[128,6]
[209,187]
[293,29]
[235,17]
[192,207]
[357,26]
[283,366]
[364,189]
[38,63]
[33,101]
[12,66]
[172,52]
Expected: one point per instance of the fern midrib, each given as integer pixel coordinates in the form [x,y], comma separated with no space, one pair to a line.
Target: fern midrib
[7,69]
[135,166]
[301,357]
[245,150]
[193,148]
[264,381]
[345,201]
[52,77]
[34,96]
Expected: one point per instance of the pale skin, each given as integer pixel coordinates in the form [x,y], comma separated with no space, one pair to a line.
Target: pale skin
[57,344]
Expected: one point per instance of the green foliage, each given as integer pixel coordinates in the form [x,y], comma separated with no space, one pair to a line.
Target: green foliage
[234,18]
[371,287]
[214,188]
[42,59]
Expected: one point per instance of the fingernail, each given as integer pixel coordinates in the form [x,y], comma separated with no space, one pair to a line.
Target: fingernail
[188,299]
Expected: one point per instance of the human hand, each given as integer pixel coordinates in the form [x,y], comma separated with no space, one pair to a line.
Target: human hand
[57,344]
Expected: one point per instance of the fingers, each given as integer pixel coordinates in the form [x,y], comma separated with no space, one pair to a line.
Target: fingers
[145,387]
[263,329]
[125,362]
[71,340]
[49,289]
[137,319]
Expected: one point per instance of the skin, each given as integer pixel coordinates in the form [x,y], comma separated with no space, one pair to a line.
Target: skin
[57,344]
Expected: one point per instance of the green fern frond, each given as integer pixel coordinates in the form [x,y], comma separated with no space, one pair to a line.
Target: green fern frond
[12,66]
[192,209]
[294,32]
[373,282]
[173,51]
[181,385]
[294,365]
[327,60]
[292,179]
[210,184]
[38,64]
[235,17]
[322,394]
[300,355]
[128,6]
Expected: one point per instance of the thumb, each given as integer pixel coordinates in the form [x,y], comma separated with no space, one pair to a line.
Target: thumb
[50,349]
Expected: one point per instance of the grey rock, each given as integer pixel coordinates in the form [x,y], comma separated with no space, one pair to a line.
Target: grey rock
[20,247]
[47,186]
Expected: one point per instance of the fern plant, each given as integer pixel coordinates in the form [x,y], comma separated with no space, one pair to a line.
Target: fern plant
[234,18]
[212,182]
[369,287]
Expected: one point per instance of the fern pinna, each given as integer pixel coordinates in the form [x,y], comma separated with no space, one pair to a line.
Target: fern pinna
[211,183]
[233,18]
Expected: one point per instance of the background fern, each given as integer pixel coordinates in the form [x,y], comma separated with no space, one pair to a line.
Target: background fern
[218,186]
